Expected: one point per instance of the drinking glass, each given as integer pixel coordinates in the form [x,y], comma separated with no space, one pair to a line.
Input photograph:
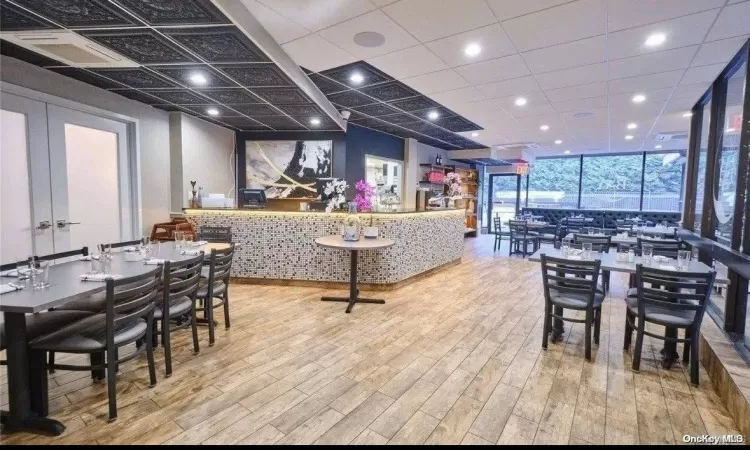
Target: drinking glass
[587,251]
[664,224]
[647,251]
[683,259]
[40,275]
[106,252]
[187,240]
[694,253]
[22,268]
[178,239]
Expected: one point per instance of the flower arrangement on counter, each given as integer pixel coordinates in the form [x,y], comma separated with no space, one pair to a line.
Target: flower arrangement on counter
[335,190]
[364,196]
[453,181]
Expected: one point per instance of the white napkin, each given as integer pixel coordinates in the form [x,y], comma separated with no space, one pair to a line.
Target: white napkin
[575,257]
[667,267]
[154,262]
[5,288]
[190,252]
[11,273]
[197,243]
[660,258]
[129,248]
[88,257]
[100,277]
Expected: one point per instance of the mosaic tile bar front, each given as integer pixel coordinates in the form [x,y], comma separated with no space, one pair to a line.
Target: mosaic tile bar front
[280,245]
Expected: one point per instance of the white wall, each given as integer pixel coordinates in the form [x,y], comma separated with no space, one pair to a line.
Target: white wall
[153,128]
[207,156]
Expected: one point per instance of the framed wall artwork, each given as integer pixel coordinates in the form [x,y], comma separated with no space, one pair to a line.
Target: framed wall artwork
[287,169]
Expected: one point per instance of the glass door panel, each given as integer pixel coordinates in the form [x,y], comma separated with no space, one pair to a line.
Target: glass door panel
[503,198]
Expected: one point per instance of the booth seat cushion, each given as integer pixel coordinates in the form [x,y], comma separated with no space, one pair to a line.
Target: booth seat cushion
[603,218]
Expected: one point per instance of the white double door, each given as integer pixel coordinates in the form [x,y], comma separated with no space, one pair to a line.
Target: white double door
[65,179]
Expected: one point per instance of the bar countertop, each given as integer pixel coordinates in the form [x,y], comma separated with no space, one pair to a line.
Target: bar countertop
[272,210]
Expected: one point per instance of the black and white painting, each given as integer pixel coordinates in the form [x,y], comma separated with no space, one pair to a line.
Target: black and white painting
[287,169]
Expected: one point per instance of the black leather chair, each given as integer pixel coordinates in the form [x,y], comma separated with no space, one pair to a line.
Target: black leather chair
[128,318]
[216,286]
[572,285]
[671,299]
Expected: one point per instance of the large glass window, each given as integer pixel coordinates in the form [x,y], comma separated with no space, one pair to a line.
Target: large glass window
[701,174]
[662,181]
[612,182]
[727,157]
[553,183]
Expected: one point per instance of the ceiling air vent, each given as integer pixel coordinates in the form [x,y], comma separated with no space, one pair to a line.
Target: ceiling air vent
[68,47]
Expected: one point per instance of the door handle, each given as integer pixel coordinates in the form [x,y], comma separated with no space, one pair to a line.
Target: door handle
[62,223]
[43,225]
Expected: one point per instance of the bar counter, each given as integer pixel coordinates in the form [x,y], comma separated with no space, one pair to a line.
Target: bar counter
[278,247]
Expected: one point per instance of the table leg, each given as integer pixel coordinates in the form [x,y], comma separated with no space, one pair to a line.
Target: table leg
[669,352]
[353,291]
[21,416]
[557,325]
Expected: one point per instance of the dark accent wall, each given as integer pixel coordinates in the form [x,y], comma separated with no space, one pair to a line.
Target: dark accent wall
[363,141]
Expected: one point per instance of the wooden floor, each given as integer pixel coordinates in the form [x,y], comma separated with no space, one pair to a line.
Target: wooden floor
[453,358]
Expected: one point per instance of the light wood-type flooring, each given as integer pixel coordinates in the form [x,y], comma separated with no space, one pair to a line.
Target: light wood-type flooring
[452,358]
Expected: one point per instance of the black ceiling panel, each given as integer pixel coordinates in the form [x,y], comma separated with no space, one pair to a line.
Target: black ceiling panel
[244,123]
[256,110]
[370,74]
[202,110]
[442,113]
[79,13]
[182,74]
[218,44]
[400,118]
[302,110]
[387,92]
[369,122]
[183,12]
[354,116]
[137,96]
[138,78]
[280,123]
[178,96]
[18,52]
[325,122]
[376,109]
[457,124]
[87,77]
[424,127]
[230,96]
[256,75]
[415,103]
[282,96]
[14,18]
[350,99]
[142,46]
[171,108]
[325,85]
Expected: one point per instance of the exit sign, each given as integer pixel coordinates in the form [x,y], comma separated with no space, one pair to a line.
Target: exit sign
[736,122]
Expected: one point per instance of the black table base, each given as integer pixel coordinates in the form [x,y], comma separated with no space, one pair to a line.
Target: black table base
[353,291]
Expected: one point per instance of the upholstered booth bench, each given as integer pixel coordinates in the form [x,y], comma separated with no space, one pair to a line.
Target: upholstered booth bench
[603,218]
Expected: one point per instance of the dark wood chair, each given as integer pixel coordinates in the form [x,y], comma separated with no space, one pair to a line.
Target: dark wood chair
[675,300]
[662,247]
[520,238]
[498,232]
[116,245]
[216,234]
[570,284]
[216,287]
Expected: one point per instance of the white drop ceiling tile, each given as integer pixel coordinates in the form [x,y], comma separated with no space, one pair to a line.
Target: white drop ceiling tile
[667,60]
[573,77]
[681,105]
[626,100]
[645,82]
[316,16]
[381,3]
[342,34]
[282,29]
[691,91]
[408,62]
[492,39]
[680,32]
[532,110]
[702,74]
[516,86]
[734,20]
[568,22]
[719,52]
[533,123]
[478,107]
[577,92]
[315,53]
[532,99]
[622,14]
[507,9]
[565,56]
[429,83]
[458,96]
[497,69]
[428,20]
[580,105]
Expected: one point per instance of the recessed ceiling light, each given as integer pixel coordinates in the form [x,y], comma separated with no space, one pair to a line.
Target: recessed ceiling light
[212,111]
[639,98]
[314,121]
[433,115]
[729,130]
[198,78]
[520,101]
[632,126]
[356,78]
[544,127]
[657,146]
[474,134]
[655,39]
[567,152]
[629,137]
[472,50]
[687,114]
[558,142]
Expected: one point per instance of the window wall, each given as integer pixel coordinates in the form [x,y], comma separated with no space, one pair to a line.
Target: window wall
[615,182]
